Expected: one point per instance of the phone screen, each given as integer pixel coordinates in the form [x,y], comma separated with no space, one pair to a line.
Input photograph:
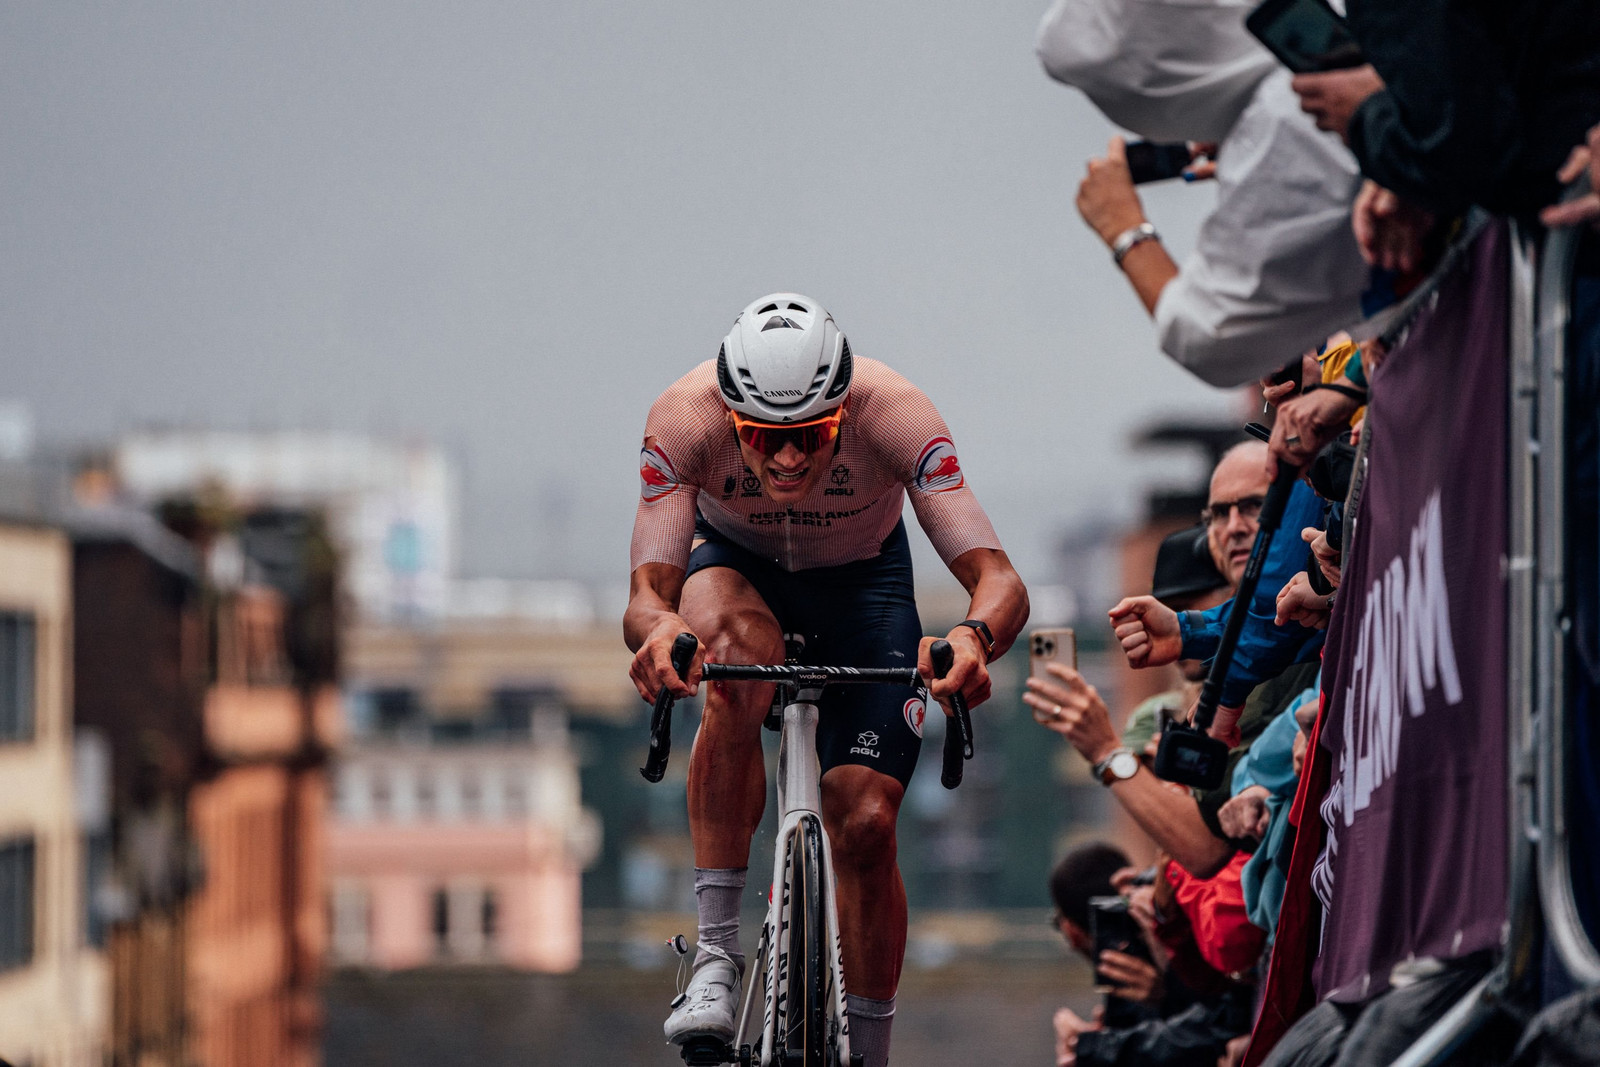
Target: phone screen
[1306,35]
[1151,162]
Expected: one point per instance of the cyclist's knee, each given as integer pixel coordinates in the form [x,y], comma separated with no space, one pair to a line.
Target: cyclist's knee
[863,827]
[744,636]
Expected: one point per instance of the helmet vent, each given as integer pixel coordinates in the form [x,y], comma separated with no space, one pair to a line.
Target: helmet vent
[730,391]
[846,366]
[769,307]
[798,307]
[778,322]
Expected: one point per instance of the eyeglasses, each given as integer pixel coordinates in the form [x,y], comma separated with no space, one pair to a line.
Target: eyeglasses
[1218,512]
[768,438]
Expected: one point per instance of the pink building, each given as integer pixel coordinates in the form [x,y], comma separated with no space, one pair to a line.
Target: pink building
[459,853]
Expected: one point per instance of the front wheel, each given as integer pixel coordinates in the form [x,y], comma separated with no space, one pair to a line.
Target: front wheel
[803,1037]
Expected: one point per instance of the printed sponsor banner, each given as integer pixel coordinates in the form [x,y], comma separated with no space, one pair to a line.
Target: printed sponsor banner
[1415,668]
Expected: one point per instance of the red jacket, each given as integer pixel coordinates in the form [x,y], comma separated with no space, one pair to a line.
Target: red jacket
[1223,932]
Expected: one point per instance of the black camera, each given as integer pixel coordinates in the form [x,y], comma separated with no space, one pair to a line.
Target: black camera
[1191,757]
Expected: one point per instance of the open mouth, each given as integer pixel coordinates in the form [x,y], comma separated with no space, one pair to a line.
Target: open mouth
[787,479]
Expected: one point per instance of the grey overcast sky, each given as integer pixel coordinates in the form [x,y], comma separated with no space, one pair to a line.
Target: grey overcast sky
[507,226]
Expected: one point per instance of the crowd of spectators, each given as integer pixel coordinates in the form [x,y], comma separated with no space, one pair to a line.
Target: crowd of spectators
[1336,192]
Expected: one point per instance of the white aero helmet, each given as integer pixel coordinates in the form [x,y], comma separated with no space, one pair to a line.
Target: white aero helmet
[784,361]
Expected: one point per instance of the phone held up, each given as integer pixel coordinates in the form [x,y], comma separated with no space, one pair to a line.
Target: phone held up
[1113,929]
[1051,646]
[1307,36]
[1149,161]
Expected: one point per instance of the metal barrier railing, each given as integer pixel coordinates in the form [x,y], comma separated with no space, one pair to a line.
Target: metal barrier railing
[1542,903]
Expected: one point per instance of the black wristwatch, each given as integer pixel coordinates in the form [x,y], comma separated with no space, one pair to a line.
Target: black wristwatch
[985,637]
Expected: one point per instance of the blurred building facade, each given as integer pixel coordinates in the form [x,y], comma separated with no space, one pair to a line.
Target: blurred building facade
[392,507]
[54,983]
[206,662]
[459,832]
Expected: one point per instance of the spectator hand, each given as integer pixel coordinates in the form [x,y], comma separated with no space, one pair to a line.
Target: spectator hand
[1326,555]
[1132,978]
[1069,1027]
[1203,163]
[1389,231]
[1148,631]
[1233,1054]
[1586,208]
[1072,708]
[1304,425]
[1310,372]
[1224,724]
[1298,602]
[1245,816]
[1299,750]
[1107,199]
[1332,96]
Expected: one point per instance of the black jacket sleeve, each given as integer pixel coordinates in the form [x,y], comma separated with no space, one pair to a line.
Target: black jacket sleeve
[1195,1037]
[1483,100]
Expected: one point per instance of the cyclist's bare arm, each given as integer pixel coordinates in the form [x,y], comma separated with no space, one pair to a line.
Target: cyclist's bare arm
[649,626]
[1000,600]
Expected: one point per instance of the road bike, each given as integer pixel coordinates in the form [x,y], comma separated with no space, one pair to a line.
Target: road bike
[803,1021]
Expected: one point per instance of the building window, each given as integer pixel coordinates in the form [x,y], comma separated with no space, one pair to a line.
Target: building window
[352,923]
[17,638]
[16,903]
[490,914]
[441,922]
[97,878]
[396,710]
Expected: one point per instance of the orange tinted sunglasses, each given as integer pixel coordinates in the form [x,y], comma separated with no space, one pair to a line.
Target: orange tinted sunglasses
[768,438]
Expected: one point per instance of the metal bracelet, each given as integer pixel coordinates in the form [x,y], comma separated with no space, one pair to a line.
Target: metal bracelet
[1127,239]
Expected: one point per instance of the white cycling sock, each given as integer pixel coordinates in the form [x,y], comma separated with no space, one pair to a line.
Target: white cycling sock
[870,1021]
[716,893]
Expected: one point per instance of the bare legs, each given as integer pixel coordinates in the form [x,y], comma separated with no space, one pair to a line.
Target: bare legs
[728,790]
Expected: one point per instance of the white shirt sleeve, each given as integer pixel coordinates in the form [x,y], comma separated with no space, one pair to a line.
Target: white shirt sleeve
[1275,269]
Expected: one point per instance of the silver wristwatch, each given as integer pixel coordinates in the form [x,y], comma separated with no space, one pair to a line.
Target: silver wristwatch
[1119,766]
[1134,235]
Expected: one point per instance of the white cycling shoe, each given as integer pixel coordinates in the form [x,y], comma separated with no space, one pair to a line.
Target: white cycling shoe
[707,1006]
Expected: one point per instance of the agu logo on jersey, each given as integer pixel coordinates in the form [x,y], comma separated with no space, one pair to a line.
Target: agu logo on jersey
[657,477]
[915,711]
[938,470]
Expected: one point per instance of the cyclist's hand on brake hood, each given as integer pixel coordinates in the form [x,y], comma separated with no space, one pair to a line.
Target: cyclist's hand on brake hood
[969,674]
[652,664]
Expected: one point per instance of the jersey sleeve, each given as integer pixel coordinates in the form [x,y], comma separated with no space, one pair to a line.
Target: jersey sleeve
[914,438]
[663,525]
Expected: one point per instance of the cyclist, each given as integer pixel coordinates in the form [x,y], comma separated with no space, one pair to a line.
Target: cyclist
[772,481]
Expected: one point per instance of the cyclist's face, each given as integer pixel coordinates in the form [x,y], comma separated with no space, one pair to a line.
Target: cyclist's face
[791,474]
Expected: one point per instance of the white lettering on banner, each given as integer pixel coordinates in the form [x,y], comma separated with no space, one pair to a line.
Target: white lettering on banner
[1404,647]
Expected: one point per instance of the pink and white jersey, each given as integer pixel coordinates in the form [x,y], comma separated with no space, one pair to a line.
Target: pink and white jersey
[892,443]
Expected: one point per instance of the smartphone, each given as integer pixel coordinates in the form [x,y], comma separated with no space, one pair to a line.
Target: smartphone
[1113,929]
[1152,162]
[1051,646]
[1307,36]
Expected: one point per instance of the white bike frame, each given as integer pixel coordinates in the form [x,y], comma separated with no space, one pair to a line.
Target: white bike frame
[799,799]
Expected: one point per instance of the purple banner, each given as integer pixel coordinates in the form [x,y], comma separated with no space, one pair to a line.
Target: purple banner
[1414,672]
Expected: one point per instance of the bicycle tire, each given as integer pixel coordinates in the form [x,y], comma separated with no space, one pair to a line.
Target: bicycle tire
[805,1035]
